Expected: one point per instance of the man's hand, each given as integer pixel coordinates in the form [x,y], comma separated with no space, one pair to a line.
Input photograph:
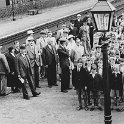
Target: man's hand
[46,66]
[19,76]
[12,73]
[85,88]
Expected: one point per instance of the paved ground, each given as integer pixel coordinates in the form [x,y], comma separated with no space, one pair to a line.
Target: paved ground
[12,27]
[51,107]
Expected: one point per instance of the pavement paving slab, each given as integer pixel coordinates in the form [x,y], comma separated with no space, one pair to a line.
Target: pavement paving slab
[51,107]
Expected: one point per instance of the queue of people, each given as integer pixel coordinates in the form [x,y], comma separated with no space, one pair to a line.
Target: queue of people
[71,55]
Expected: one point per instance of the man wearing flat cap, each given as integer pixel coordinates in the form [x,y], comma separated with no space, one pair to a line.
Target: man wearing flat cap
[33,54]
[41,43]
[24,72]
[64,64]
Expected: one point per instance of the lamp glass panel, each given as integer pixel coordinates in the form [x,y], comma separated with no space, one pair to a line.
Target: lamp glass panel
[102,21]
[112,14]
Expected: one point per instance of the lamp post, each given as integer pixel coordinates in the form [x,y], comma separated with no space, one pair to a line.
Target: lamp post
[13,11]
[102,13]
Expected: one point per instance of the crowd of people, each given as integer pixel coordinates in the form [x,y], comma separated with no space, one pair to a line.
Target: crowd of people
[72,55]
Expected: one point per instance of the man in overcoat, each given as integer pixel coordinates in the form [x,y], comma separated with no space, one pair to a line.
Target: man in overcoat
[12,77]
[64,64]
[50,62]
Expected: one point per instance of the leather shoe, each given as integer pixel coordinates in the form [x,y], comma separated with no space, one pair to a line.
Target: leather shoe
[79,108]
[69,88]
[55,85]
[49,86]
[86,108]
[26,97]
[38,86]
[64,91]
[36,94]
[92,108]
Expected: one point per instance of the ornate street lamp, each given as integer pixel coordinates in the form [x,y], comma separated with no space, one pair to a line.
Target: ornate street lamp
[102,13]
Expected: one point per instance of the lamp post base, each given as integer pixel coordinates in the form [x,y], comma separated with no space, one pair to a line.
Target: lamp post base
[108,119]
[14,19]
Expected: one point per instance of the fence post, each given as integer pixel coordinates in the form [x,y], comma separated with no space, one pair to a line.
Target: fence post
[13,11]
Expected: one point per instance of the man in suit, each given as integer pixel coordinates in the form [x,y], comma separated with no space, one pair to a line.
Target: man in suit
[78,22]
[24,72]
[64,64]
[50,61]
[33,54]
[41,43]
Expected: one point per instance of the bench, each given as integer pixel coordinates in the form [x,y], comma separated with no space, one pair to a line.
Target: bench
[33,12]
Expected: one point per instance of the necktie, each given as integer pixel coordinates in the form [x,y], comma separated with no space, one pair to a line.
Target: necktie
[26,59]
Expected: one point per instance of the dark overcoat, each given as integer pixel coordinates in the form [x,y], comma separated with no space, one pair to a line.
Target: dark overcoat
[63,57]
[21,66]
[12,77]
[94,84]
[79,78]
[116,81]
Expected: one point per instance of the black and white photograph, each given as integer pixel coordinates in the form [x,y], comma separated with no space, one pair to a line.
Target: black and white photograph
[61,61]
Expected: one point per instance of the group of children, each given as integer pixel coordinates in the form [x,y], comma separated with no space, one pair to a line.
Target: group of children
[87,76]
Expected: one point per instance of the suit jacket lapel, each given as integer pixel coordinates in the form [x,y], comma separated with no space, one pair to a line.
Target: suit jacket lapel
[11,56]
[47,47]
[23,60]
[31,50]
[63,48]
[54,50]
